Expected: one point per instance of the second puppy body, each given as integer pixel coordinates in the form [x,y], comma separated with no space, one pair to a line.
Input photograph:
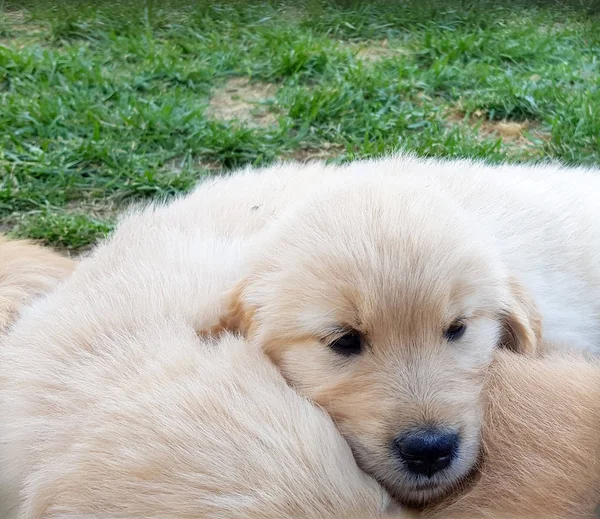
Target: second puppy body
[27,271]
[541,442]
[111,406]
[181,430]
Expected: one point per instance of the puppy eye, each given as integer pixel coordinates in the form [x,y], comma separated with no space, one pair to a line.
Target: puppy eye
[348,344]
[455,331]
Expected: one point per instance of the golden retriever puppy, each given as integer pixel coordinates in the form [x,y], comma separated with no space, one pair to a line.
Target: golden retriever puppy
[27,271]
[383,299]
[541,443]
[111,406]
[373,304]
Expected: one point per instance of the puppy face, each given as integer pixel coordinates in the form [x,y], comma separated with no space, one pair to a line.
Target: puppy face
[383,304]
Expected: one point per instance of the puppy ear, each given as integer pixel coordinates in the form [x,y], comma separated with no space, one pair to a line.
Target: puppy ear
[239,315]
[523,322]
[237,318]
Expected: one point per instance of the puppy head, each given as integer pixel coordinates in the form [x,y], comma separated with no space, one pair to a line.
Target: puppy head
[383,304]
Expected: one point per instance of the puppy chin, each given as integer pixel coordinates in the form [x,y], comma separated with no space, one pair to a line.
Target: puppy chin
[419,494]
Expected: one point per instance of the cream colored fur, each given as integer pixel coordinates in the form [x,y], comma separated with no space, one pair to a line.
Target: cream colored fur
[113,407]
[543,219]
[27,271]
[109,373]
[184,429]
[368,259]
[515,249]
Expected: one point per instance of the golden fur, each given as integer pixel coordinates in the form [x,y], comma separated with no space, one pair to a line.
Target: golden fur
[188,432]
[541,443]
[111,406]
[27,271]
[397,248]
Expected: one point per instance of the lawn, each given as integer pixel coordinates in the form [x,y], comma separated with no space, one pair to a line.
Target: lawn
[107,103]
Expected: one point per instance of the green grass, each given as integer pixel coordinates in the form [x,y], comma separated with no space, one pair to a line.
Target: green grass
[105,103]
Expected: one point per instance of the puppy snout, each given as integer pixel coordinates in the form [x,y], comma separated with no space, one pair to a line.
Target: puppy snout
[427,451]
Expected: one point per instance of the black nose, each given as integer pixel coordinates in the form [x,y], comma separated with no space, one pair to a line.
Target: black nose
[427,451]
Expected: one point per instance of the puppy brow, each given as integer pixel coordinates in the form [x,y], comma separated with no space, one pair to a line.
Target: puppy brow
[335,332]
[459,319]
[318,322]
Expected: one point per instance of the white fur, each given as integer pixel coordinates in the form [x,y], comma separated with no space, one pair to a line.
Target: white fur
[397,249]
[536,226]
[83,371]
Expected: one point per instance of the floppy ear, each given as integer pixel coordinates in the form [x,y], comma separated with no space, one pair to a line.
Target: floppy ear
[522,321]
[239,315]
[237,318]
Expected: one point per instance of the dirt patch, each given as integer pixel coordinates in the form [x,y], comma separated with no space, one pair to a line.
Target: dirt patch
[513,132]
[377,51]
[100,209]
[176,165]
[18,29]
[20,22]
[326,151]
[14,18]
[7,224]
[244,100]
[506,130]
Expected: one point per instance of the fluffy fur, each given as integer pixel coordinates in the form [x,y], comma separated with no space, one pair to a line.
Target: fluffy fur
[113,407]
[367,259]
[398,250]
[192,430]
[541,443]
[544,221]
[27,271]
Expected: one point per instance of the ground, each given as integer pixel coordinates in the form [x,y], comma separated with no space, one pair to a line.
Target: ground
[105,103]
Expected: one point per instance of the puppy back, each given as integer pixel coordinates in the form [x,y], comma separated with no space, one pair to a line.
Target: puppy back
[541,442]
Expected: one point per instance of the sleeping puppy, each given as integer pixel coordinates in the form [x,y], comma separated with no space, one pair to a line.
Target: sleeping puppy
[383,300]
[543,221]
[111,406]
[541,442]
[373,304]
[27,271]
[456,259]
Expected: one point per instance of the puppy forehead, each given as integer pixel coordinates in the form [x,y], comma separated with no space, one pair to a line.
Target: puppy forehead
[370,303]
[367,258]
[318,294]
[381,230]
